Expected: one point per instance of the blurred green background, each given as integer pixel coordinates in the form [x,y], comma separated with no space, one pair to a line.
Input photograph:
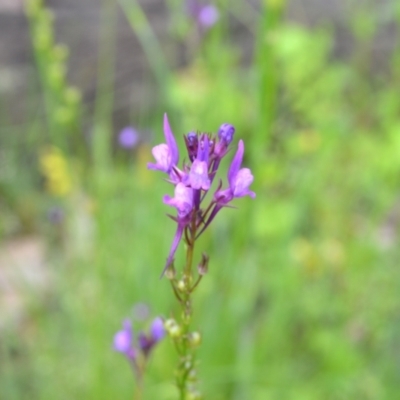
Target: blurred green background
[302,299]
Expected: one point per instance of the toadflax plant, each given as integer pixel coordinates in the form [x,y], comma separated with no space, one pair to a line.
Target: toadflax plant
[192,181]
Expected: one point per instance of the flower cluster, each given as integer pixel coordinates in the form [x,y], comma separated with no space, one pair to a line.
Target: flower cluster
[194,180]
[124,340]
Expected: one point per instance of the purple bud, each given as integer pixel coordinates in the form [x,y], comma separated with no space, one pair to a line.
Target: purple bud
[123,340]
[192,138]
[192,143]
[128,138]
[157,329]
[225,133]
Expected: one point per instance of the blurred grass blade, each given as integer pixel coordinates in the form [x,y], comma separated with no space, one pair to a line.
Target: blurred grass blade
[150,44]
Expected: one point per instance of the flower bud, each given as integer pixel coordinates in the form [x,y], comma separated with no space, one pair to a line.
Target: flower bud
[202,268]
[173,329]
[225,133]
[194,339]
[181,285]
[192,142]
[170,272]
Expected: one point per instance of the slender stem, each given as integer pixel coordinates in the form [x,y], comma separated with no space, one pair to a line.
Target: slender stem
[195,284]
[186,362]
[177,295]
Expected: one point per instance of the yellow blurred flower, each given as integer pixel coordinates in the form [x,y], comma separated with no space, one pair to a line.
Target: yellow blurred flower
[54,167]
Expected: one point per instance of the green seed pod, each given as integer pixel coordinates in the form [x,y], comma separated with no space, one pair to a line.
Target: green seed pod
[194,339]
[181,286]
[173,329]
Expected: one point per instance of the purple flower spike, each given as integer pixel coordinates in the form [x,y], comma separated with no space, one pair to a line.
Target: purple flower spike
[166,155]
[123,341]
[128,138]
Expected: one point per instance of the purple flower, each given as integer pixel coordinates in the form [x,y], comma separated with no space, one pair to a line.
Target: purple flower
[123,341]
[166,155]
[198,176]
[128,138]
[157,332]
[192,183]
[183,202]
[239,180]
[205,15]
[208,16]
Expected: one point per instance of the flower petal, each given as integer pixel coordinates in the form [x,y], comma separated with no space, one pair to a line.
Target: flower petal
[241,183]
[236,163]
[183,200]
[171,142]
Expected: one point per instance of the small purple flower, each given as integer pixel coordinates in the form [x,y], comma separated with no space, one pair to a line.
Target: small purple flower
[128,138]
[157,332]
[205,15]
[183,200]
[239,180]
[166,155]
[198,176]
[123,341]
[208,16]
[157,329]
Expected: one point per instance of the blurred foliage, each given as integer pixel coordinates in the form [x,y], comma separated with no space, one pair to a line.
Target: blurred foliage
[302,297]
